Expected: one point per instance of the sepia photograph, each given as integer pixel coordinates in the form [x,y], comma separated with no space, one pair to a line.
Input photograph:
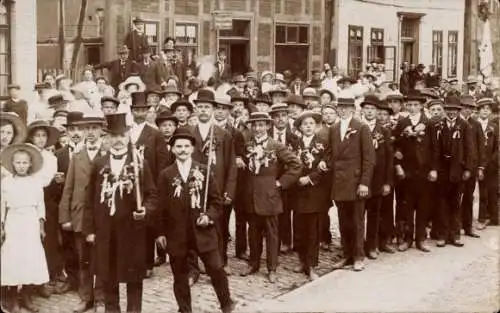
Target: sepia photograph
[249,156]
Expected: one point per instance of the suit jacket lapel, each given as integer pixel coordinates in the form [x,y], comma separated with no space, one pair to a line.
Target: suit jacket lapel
[85,162]
[143,137]
[345,143]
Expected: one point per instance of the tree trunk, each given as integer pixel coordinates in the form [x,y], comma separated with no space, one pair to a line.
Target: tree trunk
[78,39]
[62,43]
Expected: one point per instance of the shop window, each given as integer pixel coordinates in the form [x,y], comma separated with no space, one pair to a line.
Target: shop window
[152,31]
[355,51]
[452,53]
[5,49]
[437,51]
[186,37]
[292,49]
[376,49]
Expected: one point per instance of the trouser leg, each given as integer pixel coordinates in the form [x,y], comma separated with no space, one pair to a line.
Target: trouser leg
[285,224]
[372,222]
[71,263]
[272,241]
[215,270]
[86,278]
[386,220]
[467,204]
[182,292]
[241,239]
[150,247]
[255,233]
[134,297]
[421,211]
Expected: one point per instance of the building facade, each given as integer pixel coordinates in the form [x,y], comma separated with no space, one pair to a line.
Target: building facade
[264,34]
[18,46]
[394,31]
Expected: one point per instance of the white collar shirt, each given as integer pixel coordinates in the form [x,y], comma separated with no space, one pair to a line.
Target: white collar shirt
[415,119]
[117,164]
[136,131]
[184,168]
[344,125]
[279,135]
[92,150]
[307,140]
[484,123]
[204,129]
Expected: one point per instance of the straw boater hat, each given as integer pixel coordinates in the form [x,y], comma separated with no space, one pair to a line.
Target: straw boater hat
[225,101]
[171,88]
[280,78]
[310,93]
[279,107]
[265,73]
[258,117]
[20,130]
[322,91]
[486,101]
[316,116]
[277,91]
[394,96]
[52,133]
[166,116]
[133,79]
[182,133]
[13,86]
[8,153]
[94,117]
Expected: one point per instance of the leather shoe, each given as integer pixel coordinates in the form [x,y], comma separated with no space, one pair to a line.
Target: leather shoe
[372,255]
[62,287]
[358,266]
[82,306]
[285,249]
[227,270]
[457,243]
[340,264]
[272,277]
[403,246]
[440,243]
[249,271]
[229,307]
[472,234]
[46,290]
[387,249]
[149,273]
[243,256]
[99,307]
[423,247]
[193,279]
[312,275]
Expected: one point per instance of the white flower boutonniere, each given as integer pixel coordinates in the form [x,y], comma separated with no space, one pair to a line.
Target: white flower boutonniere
[349,132]
[378,139]
[177,184]
[195,183]
[456,134]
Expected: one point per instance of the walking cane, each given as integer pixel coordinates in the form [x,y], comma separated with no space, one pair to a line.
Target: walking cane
[135,161]
[211,138]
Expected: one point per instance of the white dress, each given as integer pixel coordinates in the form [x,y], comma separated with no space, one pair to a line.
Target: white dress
[22,253]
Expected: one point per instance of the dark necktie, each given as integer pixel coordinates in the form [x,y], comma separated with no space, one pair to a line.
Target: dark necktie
[280,137]
[92,148]
[118,156]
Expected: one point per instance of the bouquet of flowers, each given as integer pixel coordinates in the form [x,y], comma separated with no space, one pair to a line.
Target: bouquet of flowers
[417,131]
[349,132]
[488,134]
[378,139]
[177,184]
[195,184]
[259,157]
[210,153]
[111,184]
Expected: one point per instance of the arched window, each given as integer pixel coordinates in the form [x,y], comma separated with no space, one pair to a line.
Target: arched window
[5,47]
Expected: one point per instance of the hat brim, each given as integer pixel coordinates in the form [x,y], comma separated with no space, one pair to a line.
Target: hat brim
[452,107]
[386,108]
[8,153]
[322,91]
[239,99]
[117,131]
[162,119]
[182,136]
[196,101]
[175,105]
[365,103]
[20,129]
[78,123]
[316,116]
[166,92]
[419,99]
[267,120]
[272,92]
[141,87]
[272,112]
[53,134]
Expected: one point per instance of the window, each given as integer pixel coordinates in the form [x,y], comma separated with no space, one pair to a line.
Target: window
[452,53]
[5,52]
[292,34]
[376,49]
[186,42]
[151,30]
[437,51]
[355,51]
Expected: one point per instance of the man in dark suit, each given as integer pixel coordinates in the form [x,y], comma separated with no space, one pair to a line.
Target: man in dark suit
[311,193]
[468,107]
[136,40]
[149,141]
[272,168]
[116,222]
[215,145]
[71,209]
[297,86]
[163,67]
[455,145]
[416,165]
[75,129]
[382,173]
[146,69]
[488,169]
[188,221]
[351,159]
[222,68]
[282,133]
[120,68]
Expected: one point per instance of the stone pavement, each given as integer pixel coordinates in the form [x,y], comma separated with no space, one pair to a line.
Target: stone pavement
[448,279]
[158,294]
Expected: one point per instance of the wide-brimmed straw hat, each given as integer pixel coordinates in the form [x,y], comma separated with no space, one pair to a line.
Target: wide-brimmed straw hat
[259,117]
[316,116]
[20,130]
[53,133]
[8,153]
[133,80]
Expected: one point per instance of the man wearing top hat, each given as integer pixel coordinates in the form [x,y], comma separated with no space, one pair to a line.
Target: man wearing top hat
[119,69]
[271,169]
[282,133]
[74,202]
[488,168]
[115,223]
[351,159]
[381,183]
[215,144]
[469,106]
[455,165]
[136,40]
[151,147]
[416,166]
[15,103]
[189,220]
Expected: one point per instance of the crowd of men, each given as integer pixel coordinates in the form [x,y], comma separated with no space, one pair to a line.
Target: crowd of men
[148,168]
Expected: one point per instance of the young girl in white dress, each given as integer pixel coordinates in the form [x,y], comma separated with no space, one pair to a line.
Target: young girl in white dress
[22,206]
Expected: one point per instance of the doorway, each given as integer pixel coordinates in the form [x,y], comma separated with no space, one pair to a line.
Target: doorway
[407,55]
[238,54]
